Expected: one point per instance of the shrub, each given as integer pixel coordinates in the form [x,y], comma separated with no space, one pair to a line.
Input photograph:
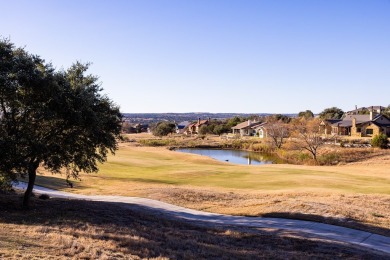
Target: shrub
[301,156]
[380,141]
[263,148]
[295,156]
[329,159]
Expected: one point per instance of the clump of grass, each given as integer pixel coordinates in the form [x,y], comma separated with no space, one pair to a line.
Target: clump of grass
[249,145]
[295,157]
[377,215]
[157,142]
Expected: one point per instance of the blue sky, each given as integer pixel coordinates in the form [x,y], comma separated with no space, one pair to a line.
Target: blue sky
[216,55]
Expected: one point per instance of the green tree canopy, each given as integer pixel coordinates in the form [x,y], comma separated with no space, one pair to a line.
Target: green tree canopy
[386,112]
[332,113]
[55,119]
[306,114]
[234,121]
[280,117]
[163,129]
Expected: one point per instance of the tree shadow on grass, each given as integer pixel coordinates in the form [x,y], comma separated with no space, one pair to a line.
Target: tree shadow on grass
[122,230]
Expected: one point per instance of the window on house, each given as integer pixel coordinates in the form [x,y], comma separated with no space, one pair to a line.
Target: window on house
[359,130]
[369,131]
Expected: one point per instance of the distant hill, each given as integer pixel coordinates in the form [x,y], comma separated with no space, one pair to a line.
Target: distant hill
[178,117]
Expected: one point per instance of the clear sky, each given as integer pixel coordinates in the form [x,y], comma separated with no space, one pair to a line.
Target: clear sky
[216,55]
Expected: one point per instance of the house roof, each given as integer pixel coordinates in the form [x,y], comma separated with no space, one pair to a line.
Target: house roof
[202,122]
[184,123]
[246,124]
[332,121]
[379,120]
[259,125]
[343,123]
[359,118]
[195,124]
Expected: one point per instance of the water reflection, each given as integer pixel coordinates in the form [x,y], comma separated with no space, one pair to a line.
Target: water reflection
[234,156]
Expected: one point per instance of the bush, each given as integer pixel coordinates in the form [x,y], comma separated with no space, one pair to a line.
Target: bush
[295,157]
[380,141]
[163,129]
[329,159]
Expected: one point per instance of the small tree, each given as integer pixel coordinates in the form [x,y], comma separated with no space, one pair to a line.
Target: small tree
[163,129]
[219,129]
[55,119]
[277,131]
[283,118]
[306,114]
[332,113]
[307,135]
[380,141]
[234,121]
[203,130]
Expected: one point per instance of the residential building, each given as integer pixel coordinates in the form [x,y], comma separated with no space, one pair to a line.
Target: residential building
[246,128]
[180,127]
[356,124]
[193,128]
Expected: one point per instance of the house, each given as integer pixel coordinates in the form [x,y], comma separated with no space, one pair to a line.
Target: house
[366,110]
[246,128]
[358,125]
[261,130]
[180,127]
[193,128]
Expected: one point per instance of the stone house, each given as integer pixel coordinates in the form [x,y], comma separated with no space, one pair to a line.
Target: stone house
[357,125]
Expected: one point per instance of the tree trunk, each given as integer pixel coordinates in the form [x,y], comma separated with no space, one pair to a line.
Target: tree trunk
[32,173]
[315,156]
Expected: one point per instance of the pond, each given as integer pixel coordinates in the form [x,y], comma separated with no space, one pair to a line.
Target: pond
[234,156]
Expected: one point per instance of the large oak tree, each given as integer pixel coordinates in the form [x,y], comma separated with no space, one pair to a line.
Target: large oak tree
[55,119]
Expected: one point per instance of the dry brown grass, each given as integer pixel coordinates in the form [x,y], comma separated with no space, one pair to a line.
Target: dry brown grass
[62,229]
[359,211]
[354,195]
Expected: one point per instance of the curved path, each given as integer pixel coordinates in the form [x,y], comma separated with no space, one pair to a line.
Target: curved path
[329,232]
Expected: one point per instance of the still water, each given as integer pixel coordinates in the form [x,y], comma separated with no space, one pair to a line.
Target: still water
[234,156]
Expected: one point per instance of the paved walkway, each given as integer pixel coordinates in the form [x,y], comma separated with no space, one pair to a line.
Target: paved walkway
[329,232]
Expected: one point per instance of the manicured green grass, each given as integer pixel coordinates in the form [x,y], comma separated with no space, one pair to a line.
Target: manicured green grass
[157,166]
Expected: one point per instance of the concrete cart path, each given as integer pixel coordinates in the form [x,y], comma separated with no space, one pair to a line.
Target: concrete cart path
[329,232]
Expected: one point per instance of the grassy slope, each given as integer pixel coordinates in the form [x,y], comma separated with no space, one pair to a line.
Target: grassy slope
[149,166]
